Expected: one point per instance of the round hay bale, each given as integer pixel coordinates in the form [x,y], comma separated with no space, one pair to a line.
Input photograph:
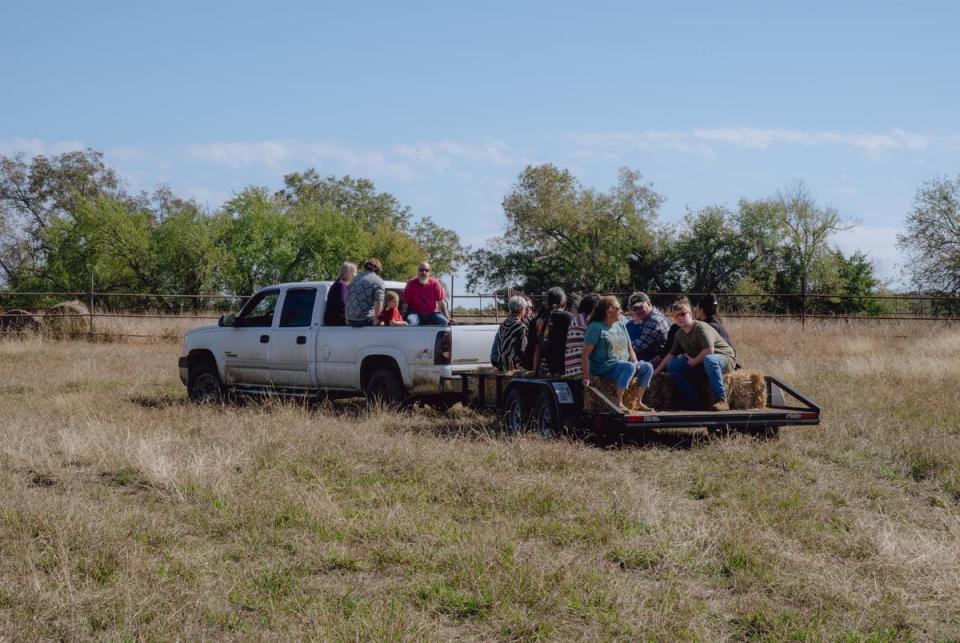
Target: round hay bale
[17,322]
[67,320]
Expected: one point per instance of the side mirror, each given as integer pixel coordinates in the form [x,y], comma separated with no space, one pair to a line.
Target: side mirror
[227,320]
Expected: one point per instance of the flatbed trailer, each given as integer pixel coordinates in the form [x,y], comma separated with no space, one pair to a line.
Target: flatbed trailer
[550,406]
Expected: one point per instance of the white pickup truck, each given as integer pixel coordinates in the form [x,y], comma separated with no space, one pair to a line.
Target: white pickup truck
[277,343]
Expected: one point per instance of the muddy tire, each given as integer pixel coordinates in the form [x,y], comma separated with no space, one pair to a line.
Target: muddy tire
[203,383]
[385,387]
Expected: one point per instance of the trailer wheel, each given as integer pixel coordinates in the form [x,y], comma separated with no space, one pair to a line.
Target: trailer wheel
[544,416]
[514,412]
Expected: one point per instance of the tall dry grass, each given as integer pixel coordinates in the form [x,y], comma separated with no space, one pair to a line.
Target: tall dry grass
[128,513]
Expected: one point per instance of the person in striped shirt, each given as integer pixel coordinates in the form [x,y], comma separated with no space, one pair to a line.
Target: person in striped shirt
[576,333]
[512,336]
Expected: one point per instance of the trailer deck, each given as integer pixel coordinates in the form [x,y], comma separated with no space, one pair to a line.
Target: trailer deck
[550,405]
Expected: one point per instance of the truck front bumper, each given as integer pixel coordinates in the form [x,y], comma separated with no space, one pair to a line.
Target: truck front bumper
[184,367]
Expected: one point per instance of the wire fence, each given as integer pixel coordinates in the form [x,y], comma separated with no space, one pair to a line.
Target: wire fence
[117,316]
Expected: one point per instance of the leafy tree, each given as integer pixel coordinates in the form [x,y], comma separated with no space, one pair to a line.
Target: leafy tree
[807,228]
[560,232]
[441,245]
[35,195]
[357,198]
[932,235]
[257,242]
[713,254]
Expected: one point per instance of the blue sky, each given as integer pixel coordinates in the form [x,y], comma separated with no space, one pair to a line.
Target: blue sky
[443,104]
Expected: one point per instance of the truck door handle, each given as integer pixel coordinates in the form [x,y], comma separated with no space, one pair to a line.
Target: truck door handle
[301,339]
[264,339]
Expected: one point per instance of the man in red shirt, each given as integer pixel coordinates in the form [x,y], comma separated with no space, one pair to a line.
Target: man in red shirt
[422,296]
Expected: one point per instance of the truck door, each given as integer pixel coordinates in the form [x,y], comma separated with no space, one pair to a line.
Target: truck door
[247,350]
[293,340]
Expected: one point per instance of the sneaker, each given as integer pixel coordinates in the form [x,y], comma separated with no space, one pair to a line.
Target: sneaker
[720,405]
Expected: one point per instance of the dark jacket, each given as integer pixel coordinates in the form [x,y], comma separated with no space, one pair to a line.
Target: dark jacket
[334,313]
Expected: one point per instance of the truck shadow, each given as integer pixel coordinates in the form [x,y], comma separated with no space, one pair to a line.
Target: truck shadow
[455,423]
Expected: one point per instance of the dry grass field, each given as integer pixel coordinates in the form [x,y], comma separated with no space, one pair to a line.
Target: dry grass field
[128,513]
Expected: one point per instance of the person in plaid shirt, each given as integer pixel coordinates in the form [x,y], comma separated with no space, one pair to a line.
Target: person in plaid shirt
[648,328]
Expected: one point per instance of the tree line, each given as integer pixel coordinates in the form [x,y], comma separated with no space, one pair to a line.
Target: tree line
[68,220]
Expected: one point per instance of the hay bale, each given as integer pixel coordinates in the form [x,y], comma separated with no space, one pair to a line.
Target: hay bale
[609,389]
[746,389]
[490,383]
[662,394]
[17,322]
[67,320]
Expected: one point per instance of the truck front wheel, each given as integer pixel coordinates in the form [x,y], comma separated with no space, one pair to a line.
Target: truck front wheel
[386,387]
[203,383]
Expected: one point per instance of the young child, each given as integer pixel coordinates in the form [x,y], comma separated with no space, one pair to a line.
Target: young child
[391,311]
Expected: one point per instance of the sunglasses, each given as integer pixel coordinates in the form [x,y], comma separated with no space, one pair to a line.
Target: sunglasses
[423,270]
[680,315]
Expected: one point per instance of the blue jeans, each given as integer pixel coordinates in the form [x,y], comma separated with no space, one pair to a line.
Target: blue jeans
[433,319]
[360,323]
[623,372]
[711,369]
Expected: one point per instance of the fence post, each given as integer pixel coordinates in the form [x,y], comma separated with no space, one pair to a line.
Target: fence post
[90,334]
[451,296]
[803,309]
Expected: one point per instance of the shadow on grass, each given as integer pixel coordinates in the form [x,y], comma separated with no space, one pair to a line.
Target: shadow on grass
[454,423]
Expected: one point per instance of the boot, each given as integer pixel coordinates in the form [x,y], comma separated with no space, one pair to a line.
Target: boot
[720,404]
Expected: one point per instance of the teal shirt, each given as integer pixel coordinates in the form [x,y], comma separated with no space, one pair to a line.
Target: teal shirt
[611,345]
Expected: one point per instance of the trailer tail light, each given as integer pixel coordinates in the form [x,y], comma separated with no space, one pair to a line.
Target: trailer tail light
[442,348]
[809,416]
[637,419]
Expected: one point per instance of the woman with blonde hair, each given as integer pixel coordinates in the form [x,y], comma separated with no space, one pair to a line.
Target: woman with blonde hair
[334,313]
[607,352]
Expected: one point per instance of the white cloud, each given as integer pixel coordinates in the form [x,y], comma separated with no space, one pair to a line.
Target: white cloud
[405,162]
[282,154]
[34,147]
[703,141]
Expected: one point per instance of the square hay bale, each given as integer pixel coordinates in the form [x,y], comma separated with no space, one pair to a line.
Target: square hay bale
[609,389]
[745,389]
[662,394]
[490,383]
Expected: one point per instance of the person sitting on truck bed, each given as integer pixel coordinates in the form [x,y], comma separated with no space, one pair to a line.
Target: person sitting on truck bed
[648,329]
[512,336]
[552,340]
[365,295]
[607,352]
[391,311]
[698,352]
[424,299]
[334,313]
[707,312]
[575,334]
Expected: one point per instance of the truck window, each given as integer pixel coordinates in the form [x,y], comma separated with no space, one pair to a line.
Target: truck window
[298,307]
[259,310]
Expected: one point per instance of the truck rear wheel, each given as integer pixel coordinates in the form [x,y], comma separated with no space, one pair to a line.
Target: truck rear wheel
[386,387]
